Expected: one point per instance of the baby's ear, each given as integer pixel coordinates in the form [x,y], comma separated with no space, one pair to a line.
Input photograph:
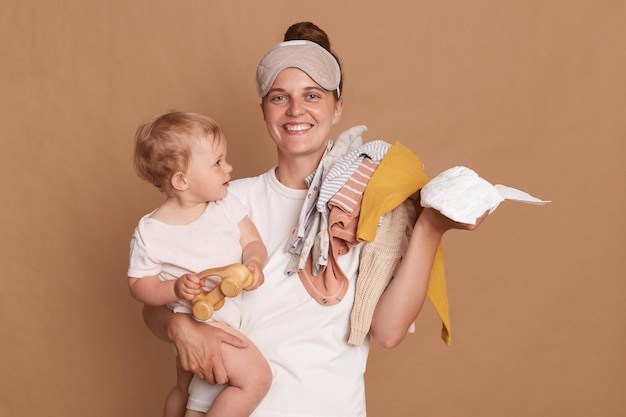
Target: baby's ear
[179,181]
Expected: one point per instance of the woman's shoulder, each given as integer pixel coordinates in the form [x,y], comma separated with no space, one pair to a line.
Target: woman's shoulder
[245,184]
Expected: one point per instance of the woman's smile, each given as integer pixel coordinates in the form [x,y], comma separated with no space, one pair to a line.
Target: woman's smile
[300,127]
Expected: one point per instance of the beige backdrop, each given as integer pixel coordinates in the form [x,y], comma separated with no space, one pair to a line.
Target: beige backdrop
[529,93]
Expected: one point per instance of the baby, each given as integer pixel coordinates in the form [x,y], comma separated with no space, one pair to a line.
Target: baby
[198,226]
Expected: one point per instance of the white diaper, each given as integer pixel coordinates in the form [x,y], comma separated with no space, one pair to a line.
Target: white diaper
[461,195]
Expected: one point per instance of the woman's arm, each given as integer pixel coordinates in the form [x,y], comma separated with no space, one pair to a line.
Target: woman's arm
[198,344]
[403,299]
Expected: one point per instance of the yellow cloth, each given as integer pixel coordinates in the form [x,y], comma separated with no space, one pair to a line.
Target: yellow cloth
[400,175]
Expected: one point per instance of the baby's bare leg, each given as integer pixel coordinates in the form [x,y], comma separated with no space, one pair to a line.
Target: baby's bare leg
[176,401]
[249,379]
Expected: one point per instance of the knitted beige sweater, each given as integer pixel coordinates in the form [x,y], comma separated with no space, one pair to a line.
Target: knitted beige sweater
[378,263]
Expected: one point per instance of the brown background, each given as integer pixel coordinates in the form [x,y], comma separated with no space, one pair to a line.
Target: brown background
[531,94]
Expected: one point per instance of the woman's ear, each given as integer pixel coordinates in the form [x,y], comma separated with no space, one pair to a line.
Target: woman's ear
[338,110]
[179,181]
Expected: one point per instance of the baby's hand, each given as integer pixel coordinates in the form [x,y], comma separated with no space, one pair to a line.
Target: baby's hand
[257,272]
[187,287]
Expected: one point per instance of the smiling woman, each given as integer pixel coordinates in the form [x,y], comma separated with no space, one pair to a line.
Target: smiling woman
[301,325]
[529,93]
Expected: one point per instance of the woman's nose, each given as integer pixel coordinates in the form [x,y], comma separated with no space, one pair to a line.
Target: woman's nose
[295,108]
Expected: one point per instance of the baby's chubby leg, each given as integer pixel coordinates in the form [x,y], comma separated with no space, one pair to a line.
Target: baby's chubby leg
[249,377]
[176,401]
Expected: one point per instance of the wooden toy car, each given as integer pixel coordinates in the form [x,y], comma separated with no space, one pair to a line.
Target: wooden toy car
[235,277]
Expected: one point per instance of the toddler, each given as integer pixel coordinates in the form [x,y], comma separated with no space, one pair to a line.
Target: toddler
[198,226]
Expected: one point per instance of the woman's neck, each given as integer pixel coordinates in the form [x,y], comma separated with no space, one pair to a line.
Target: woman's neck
[293,172]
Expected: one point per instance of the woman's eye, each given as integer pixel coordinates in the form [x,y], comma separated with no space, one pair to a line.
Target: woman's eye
[278,98]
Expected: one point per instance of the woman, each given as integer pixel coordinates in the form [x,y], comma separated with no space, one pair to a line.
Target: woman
[316,372]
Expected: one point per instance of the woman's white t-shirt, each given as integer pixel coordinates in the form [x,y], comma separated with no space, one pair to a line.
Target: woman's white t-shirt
[315,372]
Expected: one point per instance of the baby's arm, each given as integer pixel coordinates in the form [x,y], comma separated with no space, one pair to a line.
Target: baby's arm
[152,291]
[254,252]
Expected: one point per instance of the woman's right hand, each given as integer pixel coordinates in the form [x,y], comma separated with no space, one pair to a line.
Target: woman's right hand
[198,344]
[199,347]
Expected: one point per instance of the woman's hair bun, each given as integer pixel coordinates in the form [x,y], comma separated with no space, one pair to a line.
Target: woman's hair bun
[308,31]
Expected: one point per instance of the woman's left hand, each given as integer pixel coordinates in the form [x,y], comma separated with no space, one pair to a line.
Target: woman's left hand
[442,224]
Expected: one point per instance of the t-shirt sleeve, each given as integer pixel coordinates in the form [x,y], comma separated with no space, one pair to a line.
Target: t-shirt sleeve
[141,264]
